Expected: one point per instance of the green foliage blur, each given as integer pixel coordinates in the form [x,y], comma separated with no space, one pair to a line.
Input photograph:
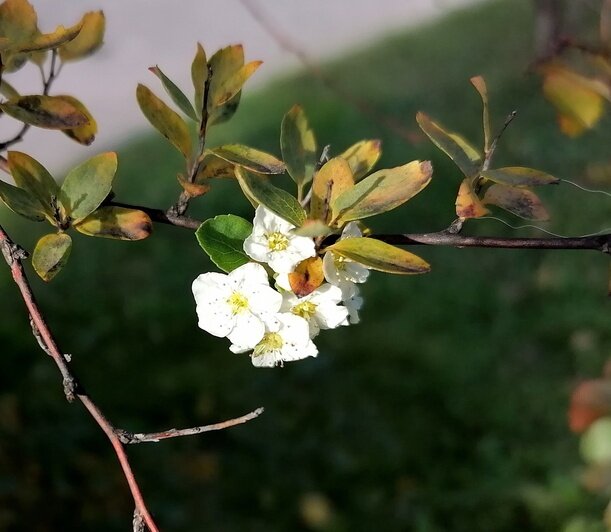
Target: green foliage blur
[444,410]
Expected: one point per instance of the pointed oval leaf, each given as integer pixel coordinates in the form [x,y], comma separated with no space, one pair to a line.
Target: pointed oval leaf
[468,204]
[118,223]
[222,65]
[82,134]
[195,189]
[222,238]
[519,201]
[298,146]
[480,86]
[18,24]
[51,255]
[50,112]
[89,39]
[35,179]
[47,41]
[453,145]
[257,187]
[382,191]
[250,158]
[223,113]
[8,91]
[21,202]
[307,276]
[362,157]
[178,97]
[88,185]
[380,256]
[164,120]
[519,176]
[227,90]
[330,182]
[213,167]
[199,75]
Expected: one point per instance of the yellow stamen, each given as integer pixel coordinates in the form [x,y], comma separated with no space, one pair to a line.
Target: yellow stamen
[237,302]
[271,341]
[306,309]
[277,241]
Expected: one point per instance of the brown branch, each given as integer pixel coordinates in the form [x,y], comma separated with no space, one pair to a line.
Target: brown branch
[130,437]
[73,389]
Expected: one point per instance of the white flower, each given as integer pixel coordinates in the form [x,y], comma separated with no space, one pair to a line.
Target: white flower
[234,305]
[286,339]
[321,308]
[352,300]
[272,241]
[338,269]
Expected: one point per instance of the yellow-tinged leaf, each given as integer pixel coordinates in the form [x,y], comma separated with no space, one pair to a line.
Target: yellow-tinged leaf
[307,276]
[213,167]
[47,41]
[118,223]
[89,39]
[453,145]
[250,158]
[379,255]
[50,112]
[164,120]
[330,182]
[199,75]
[519,176]
[362,157]
[234,84]
[86,133]
[519,201]
[468,204]
[298,146]
[87,185]
[480,86]
[382,191]
[34,178]
[578,100]
[193,189]
[18,24]
[8,91]
[313,228]
[51,255]
[222,65]
[21,202]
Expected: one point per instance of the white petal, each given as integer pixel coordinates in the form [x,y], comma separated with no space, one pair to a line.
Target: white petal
[293,329]
[303,246]
[355,272]
[351,231]
[262,299]
[238,349]
[209,285]
[249,273]
[330,316]
[297,351]
[326,293]
[282,281]
[289,300]
[270,221]
[248,330]
[266,360]
[217,319]
[283,261]
[256,249]
[328,268]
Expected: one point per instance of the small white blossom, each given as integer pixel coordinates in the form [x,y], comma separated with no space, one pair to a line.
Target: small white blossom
[234,305]
[339,269]
[322,308]
[286,339]
[352,300]
[273,242]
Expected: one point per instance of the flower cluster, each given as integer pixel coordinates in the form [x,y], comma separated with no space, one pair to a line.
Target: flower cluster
[277,324]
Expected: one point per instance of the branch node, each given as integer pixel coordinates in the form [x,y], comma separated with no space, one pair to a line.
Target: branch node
[455,227]
[138,523]
[69,388]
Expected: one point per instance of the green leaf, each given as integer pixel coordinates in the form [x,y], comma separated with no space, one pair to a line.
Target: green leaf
[222,238]
[330,182]
[82,134]
[362,157]
[519,201]
[118,223]
[20,202]
[595,446]
[480,86]
[223,65]
[51,255]
[379,255]
[382,191]
[47,41]
[34,178]
[519,176]
[88,185]
[250,158]
[453,145]
[224,112]
[178,97]
[164,120]
[89,39]
[8,91]
[298,146]
[199,75]
[213,167]
[468,204]
[256,187]
[50,112]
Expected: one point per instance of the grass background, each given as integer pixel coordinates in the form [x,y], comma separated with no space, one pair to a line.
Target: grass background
[445,410]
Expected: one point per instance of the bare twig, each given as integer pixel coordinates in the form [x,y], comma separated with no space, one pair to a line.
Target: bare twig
[130,437]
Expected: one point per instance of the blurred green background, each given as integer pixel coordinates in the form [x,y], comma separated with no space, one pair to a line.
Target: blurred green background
[444,410]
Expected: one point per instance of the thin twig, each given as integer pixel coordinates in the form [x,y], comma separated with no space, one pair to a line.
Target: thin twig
[131,438]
